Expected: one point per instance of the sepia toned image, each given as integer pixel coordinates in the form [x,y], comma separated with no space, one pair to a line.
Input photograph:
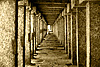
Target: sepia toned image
[49,33]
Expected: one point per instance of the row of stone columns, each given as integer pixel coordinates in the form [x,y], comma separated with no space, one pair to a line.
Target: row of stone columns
[34,33]
[83,33]
[20,27]
[38,30]
[76,35]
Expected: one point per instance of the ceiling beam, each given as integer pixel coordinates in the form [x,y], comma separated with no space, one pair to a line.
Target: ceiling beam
[50,13]
[51,7]
[49,3]
[51,17]
[53,11]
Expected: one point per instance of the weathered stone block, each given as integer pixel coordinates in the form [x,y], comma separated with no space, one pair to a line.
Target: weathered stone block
[74,37]
[20,35]
[93,14]
[82,36]
[7,33]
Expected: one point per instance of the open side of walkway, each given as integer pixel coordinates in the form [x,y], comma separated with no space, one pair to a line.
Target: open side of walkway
[51,53]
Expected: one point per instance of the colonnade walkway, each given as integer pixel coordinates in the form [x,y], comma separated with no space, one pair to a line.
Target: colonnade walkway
[50,53]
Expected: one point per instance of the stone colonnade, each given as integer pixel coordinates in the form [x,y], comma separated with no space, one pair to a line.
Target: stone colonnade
[79,32]
[22,29]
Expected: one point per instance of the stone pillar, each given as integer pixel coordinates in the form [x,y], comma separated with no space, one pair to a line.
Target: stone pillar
[93,34]
[77,35]
[20,34]
[40,30]
[69,35]
[63,30]
[37,35]
[34,33]
[81,45]
[7,33]
[73,40]
[44,29]
[27,37]
[65,22]
[37,30]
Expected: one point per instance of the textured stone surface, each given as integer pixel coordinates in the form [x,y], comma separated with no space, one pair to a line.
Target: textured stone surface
[20,35]
[37,31]
[74,37]
[7,33]
[69,35]
[82,36]
[27,44]
[95,34]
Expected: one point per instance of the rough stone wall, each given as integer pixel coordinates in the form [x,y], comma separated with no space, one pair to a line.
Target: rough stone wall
[82,36]
[7,33]
[20,35]
[95,34]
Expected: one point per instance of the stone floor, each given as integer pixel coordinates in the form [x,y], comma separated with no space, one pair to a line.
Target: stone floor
[50,53]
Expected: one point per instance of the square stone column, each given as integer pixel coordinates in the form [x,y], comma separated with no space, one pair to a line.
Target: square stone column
[81,36]
[40,30]
[65,26]
[20,33]
[27,37]
[34,33]
[73,38]
[93,34]
[7,33]
[69,35]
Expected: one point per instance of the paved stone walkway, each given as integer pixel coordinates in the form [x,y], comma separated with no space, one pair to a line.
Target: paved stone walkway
[51,53]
